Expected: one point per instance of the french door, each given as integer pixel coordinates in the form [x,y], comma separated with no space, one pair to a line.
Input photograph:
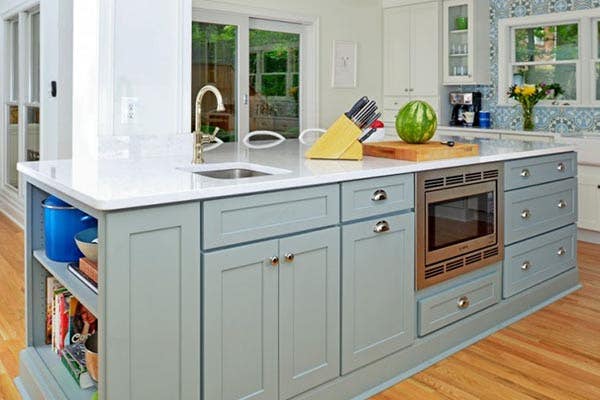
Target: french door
[260,66]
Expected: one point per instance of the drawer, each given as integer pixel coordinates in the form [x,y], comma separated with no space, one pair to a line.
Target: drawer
[254,217]
[532,211]
[459,302]
[535,171]
[533,261]
[370,197]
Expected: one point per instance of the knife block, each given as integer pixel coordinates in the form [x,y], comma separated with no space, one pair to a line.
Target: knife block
[340,142]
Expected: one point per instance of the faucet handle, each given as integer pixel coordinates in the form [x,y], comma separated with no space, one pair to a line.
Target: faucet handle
[215,132]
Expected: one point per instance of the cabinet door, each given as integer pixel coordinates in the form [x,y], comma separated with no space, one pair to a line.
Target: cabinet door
[240,323]
[589,198]
[424,53]
[151,303]
[396,50]
[309,311]
[378,304]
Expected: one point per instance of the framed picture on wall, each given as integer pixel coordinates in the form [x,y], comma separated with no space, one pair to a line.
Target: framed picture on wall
[344,68]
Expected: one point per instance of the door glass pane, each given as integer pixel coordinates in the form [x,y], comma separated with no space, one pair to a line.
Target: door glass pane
[35,58]
[12,146]
[547,43]
[458,40]
[14,62]
[274,83]
[563,74]
[459,220]
[32,139]
[214,60]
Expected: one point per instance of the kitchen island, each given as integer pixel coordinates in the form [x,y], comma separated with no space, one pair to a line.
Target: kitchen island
[298,283]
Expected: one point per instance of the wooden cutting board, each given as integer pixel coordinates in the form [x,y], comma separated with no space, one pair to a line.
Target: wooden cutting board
[419,152]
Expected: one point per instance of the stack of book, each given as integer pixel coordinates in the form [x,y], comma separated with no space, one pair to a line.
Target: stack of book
[68,325]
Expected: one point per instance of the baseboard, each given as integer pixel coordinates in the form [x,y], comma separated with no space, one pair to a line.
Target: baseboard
[12,209]
[585,235]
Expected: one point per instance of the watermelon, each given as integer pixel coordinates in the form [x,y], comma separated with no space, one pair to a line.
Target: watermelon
[416,122]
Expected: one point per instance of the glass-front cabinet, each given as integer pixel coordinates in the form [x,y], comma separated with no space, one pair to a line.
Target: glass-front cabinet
[466,42]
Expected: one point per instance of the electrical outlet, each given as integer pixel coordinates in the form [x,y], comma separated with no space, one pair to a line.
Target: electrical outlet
[129,109]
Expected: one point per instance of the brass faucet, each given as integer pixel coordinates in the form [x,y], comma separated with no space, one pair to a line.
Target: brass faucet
[200,139]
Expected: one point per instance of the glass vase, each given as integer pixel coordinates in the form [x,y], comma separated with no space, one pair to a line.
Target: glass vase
[528,124]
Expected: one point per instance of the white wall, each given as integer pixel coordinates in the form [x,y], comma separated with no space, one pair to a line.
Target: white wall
[149,46]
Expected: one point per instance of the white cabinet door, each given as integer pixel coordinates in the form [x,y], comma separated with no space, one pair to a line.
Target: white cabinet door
[424,54]
[589,198]
[396,51]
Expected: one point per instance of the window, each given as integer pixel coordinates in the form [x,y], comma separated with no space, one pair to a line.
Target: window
[259,66]
[558,48]
[547,54]
[21,130]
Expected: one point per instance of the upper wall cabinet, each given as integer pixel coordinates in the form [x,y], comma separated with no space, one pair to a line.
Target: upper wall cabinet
[466,42]
[411,45]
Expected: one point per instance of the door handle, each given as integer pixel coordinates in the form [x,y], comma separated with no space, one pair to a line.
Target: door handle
[525,173]
[463,302]
[525,214]
[561,167]
[274,261]
[526,265]
[562,204]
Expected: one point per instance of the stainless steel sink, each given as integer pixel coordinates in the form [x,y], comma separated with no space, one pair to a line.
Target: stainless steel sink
[233,170]
[236,173]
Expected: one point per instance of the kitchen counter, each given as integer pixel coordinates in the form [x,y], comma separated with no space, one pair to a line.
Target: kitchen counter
[128,183]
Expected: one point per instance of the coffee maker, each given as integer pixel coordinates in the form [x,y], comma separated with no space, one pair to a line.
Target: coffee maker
[462,102]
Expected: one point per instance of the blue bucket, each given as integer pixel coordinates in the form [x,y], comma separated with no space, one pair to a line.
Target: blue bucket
[61,223]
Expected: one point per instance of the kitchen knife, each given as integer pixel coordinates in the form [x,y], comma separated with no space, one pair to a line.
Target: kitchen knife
[367,135]
[357,107]
[371,120]
[365,112]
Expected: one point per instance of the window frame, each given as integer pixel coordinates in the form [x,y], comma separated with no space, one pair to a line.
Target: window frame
[23,98]
[585,74]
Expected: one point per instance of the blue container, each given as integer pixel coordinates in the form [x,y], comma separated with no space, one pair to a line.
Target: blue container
[61,223]
[485,119]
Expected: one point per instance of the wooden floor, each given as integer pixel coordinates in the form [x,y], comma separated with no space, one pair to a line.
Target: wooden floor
[553,354]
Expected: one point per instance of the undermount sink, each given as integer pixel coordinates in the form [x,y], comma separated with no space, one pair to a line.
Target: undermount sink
[235,170]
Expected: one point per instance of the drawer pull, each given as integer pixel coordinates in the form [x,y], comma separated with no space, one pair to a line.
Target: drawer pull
[381,227]
[561,167]
[379,195]
[289,257]
[561,252]
[525,214]
[526,265]
[463,302]
[562,204]
[274,261]
[525,173]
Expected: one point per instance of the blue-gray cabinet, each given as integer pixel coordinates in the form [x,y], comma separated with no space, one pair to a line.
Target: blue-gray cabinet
[378,303]
[271,317]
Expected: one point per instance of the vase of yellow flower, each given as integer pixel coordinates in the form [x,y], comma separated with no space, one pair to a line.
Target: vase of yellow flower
[529,95]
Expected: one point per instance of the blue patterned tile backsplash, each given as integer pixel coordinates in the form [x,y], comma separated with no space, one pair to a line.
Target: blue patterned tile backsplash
[566,120]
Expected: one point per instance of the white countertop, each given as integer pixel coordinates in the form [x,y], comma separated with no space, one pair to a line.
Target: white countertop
[127,183]
[460,129]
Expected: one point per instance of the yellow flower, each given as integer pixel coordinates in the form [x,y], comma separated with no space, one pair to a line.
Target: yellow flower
[528,90]
[517,89]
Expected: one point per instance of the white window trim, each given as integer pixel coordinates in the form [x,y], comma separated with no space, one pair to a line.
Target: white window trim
[585,74]
[309,103]
[23,101]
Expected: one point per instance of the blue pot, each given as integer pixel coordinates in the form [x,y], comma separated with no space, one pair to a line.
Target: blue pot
[61,223]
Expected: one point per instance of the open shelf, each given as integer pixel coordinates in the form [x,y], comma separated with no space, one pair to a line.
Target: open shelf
[77,288]
[49,372]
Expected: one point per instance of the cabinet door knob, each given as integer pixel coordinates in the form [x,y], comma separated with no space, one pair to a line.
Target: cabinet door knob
[525,173]
[379,195]
[412,90]
[274,261]
[381,227]
[561,167]
[525,214]
[289,257]
[526,265]
[463,302]
[406,89]
[561,252]
[562,204]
